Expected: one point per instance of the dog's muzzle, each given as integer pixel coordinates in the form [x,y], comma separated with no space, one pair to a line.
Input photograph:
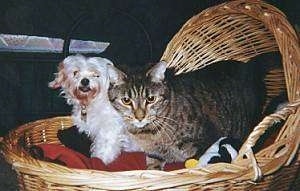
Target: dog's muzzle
[84,85]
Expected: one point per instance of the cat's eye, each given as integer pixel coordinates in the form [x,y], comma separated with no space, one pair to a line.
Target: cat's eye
[126,100]
[75,73]
[150,99]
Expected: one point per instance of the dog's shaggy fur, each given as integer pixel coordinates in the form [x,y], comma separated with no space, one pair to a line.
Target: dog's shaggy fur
[84,82]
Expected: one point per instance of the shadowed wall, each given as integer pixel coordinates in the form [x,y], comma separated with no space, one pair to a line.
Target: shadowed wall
[137,30]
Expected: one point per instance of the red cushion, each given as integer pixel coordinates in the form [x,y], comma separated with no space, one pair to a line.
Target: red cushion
[126,161]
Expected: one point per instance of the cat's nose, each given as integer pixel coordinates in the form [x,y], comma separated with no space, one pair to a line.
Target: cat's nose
[85,82]
[139,114]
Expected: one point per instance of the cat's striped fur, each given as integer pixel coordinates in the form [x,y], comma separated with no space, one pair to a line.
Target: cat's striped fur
[173,118]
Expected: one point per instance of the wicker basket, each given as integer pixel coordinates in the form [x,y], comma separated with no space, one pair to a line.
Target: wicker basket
[235,30]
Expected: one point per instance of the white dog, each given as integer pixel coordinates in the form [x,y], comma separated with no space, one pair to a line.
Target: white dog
[84,82]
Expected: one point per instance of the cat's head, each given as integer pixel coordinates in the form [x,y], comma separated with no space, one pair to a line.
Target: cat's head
[141,99]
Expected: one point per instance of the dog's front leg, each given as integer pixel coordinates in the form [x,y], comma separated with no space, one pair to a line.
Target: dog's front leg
[107,149]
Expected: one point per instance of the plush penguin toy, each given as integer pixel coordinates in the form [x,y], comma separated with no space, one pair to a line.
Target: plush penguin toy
[223,150]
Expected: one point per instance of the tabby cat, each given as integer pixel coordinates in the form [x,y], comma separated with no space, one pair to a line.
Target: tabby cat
[176,117]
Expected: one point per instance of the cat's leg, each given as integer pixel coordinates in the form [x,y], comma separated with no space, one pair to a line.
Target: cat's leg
[128,144]
[154,164]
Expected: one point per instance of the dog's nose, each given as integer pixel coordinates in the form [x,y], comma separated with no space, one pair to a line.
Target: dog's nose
[85,82]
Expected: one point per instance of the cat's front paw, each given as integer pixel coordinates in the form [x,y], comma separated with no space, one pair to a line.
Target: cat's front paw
[154,164]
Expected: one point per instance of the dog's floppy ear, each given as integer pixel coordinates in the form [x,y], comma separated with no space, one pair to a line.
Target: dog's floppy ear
[59,77]
[116,76]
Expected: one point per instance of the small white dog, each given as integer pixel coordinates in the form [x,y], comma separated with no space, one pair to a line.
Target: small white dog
[84,82]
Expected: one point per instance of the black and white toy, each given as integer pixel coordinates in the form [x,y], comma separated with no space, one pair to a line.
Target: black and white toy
[223,150]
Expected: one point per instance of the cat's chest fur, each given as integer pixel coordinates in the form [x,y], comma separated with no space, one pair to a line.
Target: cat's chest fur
[166,147]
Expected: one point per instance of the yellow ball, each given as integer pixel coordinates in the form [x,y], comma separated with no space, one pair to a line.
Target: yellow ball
[191,163]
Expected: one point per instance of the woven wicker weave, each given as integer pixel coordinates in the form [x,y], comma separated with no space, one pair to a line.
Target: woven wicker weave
[237,30]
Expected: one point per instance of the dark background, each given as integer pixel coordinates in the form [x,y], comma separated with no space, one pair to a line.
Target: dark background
[138,31]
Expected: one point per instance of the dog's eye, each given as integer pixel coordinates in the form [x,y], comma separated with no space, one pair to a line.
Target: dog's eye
[150,99]
[126,100]
[96,75]
[75,73]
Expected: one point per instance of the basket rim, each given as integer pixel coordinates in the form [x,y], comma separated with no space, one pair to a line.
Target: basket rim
[51,171]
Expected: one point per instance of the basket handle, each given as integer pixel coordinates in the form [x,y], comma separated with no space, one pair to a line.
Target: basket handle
[286,38]
[266,123]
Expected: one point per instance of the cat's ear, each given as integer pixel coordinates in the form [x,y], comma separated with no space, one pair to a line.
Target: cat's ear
[157,72]
[116,76]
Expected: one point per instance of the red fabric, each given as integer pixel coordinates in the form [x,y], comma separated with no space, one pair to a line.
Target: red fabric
[125,161]
[174,166]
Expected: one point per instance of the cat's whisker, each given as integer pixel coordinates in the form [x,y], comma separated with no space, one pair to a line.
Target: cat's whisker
[166,126]
[170,127]
[184,124]
[168,118]
[163,129]
[151,118]
[173,124]
[127,117]
[155,124]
